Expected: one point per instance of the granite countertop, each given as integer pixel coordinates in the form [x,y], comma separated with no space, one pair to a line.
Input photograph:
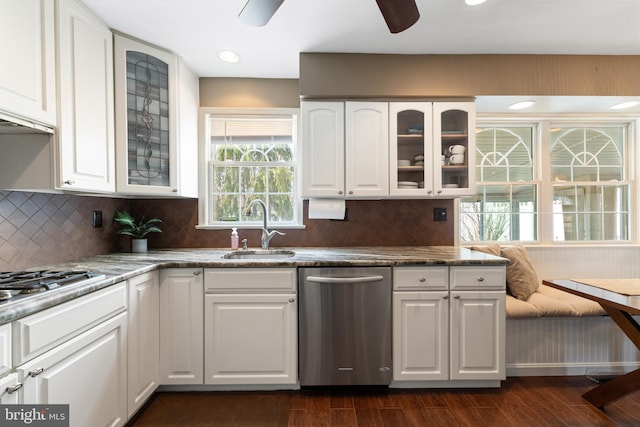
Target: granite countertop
[122,266]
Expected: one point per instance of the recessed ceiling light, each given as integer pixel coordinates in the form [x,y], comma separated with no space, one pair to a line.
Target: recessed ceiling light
[624,105]
[228,56]
[522,105]
[474,2]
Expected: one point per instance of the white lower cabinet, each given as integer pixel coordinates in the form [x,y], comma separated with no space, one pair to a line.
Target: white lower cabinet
[88,372]
[143,339]
[181,326]
[250,326]
[449,326]
[477,335]
[421,349]
[76,353]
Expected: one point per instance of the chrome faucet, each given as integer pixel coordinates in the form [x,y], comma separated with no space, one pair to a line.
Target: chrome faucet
[266,234]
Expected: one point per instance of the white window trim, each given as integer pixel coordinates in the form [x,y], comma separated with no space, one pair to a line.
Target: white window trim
[203,173]
[542,151]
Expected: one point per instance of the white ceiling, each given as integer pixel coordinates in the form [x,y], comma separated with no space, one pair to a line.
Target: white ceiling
[197,29]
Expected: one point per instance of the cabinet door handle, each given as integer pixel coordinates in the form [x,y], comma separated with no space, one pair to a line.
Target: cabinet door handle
[422,280]
[350,191]
[196,273]
[457,296]
[35,372]
[480,279]
[439,191]
[13,388]
[69,182]
[340,192]
[445,297]
[292,300]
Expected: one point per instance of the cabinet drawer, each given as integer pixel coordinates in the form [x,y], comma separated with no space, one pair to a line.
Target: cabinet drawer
[249,279]
[420,278]
[478,277]
[35,334]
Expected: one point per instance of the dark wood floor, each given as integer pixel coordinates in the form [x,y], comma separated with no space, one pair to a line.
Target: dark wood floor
[524,401]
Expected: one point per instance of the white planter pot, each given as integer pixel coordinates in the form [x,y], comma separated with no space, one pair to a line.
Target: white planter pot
[138,245]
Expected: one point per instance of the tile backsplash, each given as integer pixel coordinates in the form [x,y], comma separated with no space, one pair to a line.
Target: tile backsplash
[37,229]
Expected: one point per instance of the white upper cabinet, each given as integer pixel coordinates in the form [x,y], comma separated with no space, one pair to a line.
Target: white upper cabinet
[410,141]
[85,132]
[367,149]
[322,149]
[27,75]
[374,150]
[345,149]
[156,121]
[432,149]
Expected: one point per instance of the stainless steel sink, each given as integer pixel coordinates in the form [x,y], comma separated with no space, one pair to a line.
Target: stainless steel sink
[259,254]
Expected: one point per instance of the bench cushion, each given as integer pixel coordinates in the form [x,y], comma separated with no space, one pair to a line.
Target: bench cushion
[551,302]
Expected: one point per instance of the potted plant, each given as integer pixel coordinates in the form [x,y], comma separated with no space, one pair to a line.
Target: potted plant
[137,230]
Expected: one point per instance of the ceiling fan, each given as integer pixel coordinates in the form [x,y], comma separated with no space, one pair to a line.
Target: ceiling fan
[398,14]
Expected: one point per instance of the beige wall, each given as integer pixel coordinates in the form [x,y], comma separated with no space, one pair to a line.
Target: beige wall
[249,93]
[326,75]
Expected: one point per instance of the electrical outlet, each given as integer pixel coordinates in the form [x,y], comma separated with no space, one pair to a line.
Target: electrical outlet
[97,219]
[439,214]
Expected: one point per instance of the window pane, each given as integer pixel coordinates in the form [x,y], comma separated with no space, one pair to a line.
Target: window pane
[226,207]
[597,212]
[253,179]
[499,213]
[504,154]
[588,154]
[254,156]
[502,211]
[225,179]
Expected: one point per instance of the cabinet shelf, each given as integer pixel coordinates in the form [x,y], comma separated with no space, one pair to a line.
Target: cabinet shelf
[410,168]
[411,136]
[454,168]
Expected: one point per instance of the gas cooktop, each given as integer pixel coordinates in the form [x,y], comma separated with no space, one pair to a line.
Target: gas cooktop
[21,283]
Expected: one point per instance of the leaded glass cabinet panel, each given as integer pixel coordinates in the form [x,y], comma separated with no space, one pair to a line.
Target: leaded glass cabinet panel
[146,84]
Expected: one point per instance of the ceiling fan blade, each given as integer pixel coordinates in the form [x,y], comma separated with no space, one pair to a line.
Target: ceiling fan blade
[258,12]
[399,14]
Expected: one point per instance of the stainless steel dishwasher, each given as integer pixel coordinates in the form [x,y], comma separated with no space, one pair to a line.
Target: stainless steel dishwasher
[345,326]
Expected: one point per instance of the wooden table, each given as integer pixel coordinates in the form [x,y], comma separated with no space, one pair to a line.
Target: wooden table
[620,298]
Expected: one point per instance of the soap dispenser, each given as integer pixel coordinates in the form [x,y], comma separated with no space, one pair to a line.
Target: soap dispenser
[234,238]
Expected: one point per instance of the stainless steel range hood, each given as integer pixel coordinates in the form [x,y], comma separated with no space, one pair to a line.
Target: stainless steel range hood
[11,125]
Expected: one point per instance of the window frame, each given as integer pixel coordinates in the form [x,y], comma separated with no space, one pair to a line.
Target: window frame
[542,172]
[205,204]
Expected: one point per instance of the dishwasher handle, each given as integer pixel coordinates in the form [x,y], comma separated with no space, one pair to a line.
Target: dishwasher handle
[333,279]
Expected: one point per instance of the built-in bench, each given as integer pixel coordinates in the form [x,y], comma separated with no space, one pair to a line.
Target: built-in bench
[551,332]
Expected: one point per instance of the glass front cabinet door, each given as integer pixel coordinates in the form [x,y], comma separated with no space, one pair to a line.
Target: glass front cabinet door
[454,148]
[432,149]
[145,85]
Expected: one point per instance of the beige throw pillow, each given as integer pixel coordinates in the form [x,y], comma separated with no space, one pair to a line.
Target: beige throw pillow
[492,249]
[522,279]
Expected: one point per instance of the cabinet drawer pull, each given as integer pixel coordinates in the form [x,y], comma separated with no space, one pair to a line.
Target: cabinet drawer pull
[480,279]
[13,388]
[445,297]
[196,273]
[292,300]
[422,280]
[457,296]
[35,372]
